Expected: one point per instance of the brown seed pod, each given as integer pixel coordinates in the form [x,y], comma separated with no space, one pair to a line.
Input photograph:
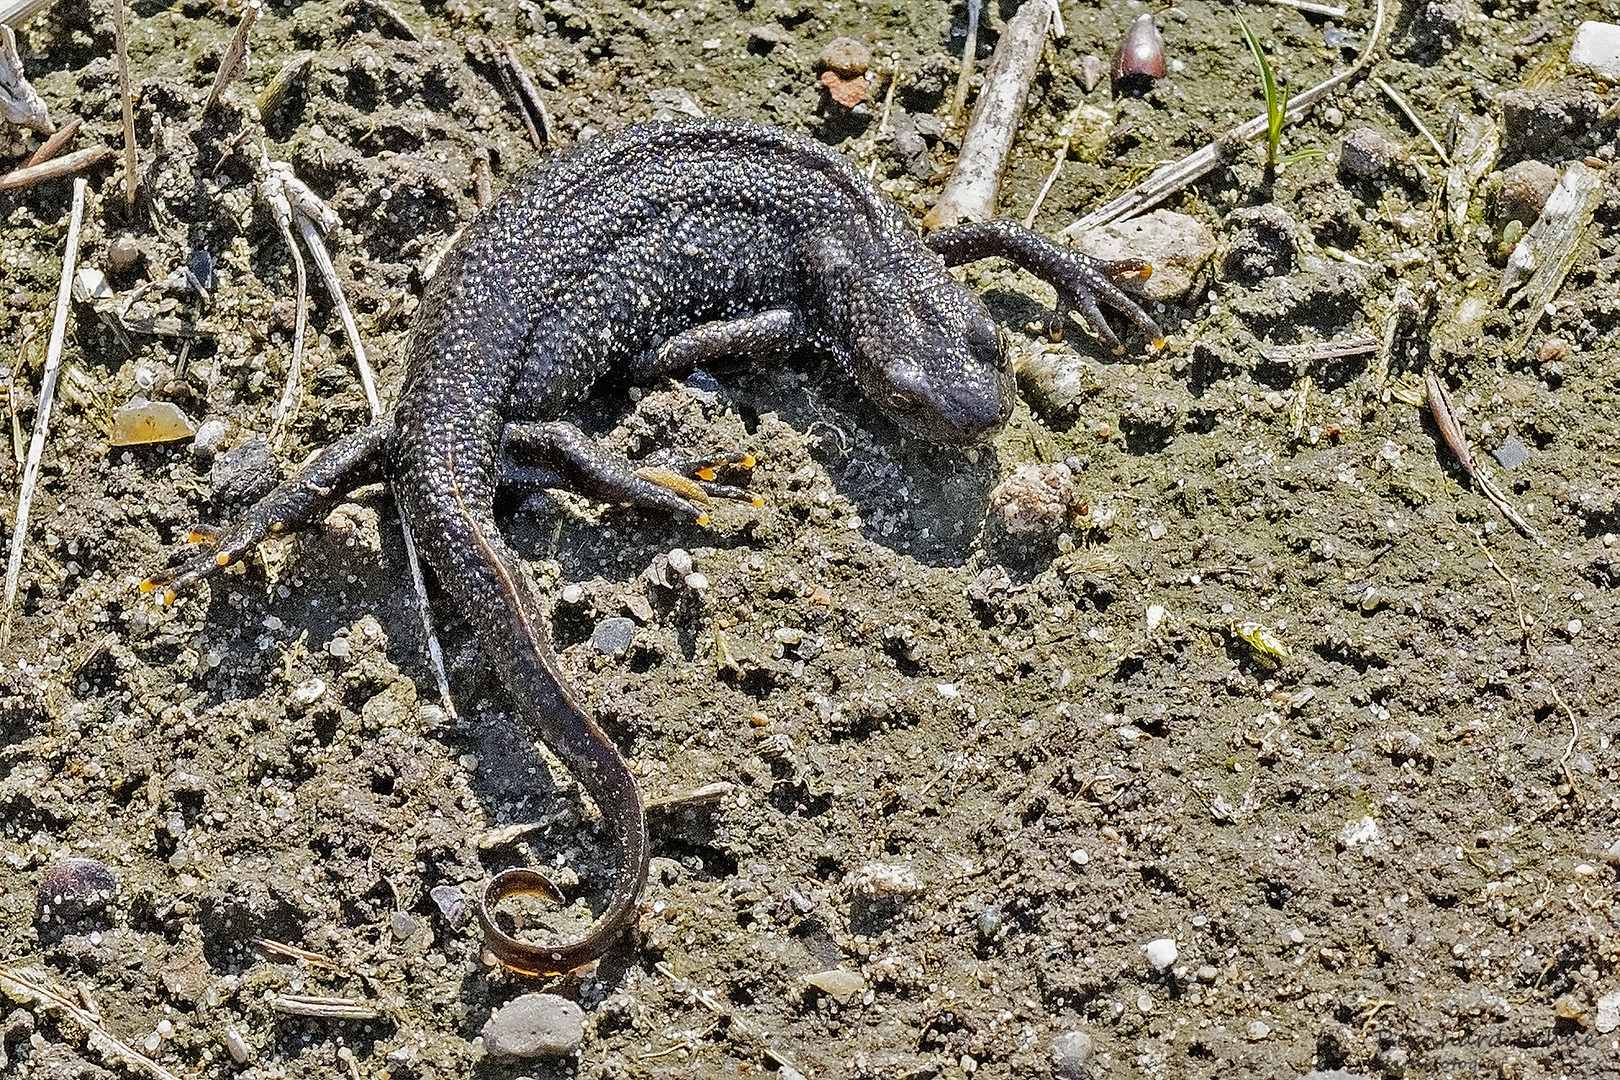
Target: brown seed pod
[1140,59]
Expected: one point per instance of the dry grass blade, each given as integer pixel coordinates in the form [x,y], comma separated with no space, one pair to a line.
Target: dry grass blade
[1417,122]
[1326,10]
[970,193]
[1445,418]
[1172,178]
[970,55]
[66,165]
[30,985]
[708,793]
[235,60]
[281,948]
[1316,351]
[521,89]
[327,1008]
[42,417]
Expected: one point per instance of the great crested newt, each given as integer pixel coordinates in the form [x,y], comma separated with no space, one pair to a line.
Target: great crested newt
[635,255]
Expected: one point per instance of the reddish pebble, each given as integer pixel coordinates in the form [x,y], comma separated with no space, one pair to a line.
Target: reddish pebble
[1140,59]
[1552,350]
[843,65]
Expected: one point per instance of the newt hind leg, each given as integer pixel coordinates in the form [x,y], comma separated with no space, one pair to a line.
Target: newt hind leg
[302,500]
[559,455]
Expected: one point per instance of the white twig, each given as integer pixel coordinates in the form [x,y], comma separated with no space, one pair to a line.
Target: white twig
[1327,10]
[42,416]
[323,262]
[314,217]
[970,193]
[274,193]
[17,12]
[20,103]
[1171,178]
[1051,178]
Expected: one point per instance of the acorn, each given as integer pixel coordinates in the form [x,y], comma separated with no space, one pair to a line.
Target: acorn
[1140,59]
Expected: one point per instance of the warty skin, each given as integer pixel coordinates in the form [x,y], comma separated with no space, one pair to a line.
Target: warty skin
[639,254]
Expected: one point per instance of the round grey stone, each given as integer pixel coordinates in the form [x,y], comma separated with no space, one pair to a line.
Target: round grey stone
[535,1026]
[1071,1056]
[612,636]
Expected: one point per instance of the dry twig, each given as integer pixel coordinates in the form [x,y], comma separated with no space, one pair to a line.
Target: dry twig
[235,60]
[1445,418]
[31,986]
[970,193]
[53,145]
[42,415]
[66,165]
[20,103]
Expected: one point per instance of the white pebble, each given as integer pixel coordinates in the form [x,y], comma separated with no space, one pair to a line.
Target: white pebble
[1161,953]
[1155,616]
[1597,49]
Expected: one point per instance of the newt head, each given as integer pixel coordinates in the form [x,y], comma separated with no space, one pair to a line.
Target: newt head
[932,358]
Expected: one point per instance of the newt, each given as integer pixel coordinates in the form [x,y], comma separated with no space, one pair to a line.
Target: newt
[636,255]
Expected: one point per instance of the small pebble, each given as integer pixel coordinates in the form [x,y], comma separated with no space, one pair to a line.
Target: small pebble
[201,265]
[843,65]
[1525,190]
[680,562]
[1511,454]
[535,1026]
[1071,1056]
[237,1046]
[1257,1030]
[1366,154]
[612,636]
[1092,67]
[1161,953]
[122,254]
[210,437]
[1035,499]
[403,926]
[452,904]
[837,982]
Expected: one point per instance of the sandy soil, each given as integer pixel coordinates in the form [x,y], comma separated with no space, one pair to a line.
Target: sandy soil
[977,774]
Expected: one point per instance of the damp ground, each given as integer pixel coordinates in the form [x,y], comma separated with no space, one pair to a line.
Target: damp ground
[1287,691]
